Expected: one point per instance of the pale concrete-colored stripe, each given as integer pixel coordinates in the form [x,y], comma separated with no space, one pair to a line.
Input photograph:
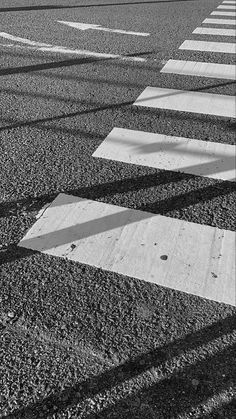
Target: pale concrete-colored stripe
[201,69]
[226,7]
[188,257]
[208,46]
[222,13]
[220,21]
[215,31]
[165,152]
[229,2]
[187,101]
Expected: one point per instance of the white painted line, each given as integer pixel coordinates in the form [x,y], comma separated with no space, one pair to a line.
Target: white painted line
[23,40]
[229,2]
[201,69]
[208,46]
[188,257]
[85,26]
[226,7]
[200,158]
[220,21]
[222,13]
[37,46]
[215,31]
[187,101]
[87,53]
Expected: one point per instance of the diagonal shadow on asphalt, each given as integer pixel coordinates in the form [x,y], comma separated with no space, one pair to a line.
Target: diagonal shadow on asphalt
[176,384]
[55,7]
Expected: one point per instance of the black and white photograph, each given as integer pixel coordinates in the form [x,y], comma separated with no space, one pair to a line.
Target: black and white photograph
[117,209]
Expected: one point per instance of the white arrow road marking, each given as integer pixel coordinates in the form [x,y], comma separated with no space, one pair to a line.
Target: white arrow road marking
[85,26]
[38,46]
[173,253]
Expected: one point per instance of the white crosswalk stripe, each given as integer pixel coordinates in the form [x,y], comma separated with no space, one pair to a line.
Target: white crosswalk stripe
[184,155]
[223,13]
[219,21]
[201,69]
[215,31]
[226,7]
[187,101]
[209,46]
[185,256]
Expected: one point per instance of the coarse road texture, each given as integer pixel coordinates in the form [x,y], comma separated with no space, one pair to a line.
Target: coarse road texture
[77,341]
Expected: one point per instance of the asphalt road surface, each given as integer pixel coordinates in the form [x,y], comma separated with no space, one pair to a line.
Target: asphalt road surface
[78,341]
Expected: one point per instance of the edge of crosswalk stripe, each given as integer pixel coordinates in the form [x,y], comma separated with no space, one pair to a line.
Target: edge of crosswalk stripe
[215,31]
[201,69]
[172,253]
[209,46]
[216,21]
[187,101]
[178,154]
[222,13]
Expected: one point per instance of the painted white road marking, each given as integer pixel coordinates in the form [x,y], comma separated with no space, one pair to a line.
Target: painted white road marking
[194,68]
[208,46]
[165,152]
[215,31]
[85,26]
[37,46]
[176,254]
[222,13]
[23,40]
[219,21]
[226,7]
[229,2]
[187,101]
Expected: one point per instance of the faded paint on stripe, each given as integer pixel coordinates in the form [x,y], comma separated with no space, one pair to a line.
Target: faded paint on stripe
[219,21]
[215,31]
[208,46]
[187,101]
[178,154]
[188,257]
[201,69]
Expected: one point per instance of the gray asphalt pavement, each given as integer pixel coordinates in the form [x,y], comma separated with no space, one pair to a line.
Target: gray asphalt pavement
[78,342]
